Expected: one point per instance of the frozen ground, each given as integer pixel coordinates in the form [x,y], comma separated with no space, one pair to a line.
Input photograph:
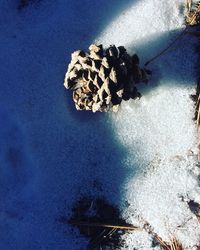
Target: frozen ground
[52,155]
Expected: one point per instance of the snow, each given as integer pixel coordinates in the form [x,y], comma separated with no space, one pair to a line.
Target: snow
[158,130]
[51,155]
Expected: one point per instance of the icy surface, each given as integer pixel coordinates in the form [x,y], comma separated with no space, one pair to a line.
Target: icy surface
[51,155]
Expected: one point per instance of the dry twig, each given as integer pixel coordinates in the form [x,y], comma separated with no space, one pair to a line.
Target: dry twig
[174,245]
[94,224]
[198,112]
[191,20]
[162,243]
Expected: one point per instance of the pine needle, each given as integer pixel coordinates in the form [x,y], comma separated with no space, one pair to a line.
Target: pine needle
[162,243]
[198,112]
[188,5]
[96,224]
[191,21]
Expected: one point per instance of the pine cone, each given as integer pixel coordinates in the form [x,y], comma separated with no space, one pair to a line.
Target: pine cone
[100,79]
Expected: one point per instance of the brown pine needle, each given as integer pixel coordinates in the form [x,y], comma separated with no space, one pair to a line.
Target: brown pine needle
[162,243]
[172,245]
[192,21]
[198,112]
[177,247]
[168,47]
[94,224]
[189,5]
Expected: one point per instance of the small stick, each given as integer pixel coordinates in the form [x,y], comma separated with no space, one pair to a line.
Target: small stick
[198,218]
[189,5]
[93,224]
[162,242]
[198,100]
[198,113]
[176,244]
[177,38]
[172,245]
[169,46]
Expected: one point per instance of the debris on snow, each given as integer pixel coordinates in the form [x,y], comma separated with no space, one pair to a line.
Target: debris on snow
[100,222]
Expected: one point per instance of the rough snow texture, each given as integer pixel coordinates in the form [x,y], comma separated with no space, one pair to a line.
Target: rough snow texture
[158,130]
[51,155]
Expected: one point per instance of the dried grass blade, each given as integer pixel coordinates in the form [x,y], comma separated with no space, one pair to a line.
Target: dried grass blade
[189,5]
[198,116]
[162,243]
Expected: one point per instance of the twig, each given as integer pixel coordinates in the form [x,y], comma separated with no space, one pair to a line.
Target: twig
[172,245]
[189,5]
[94,224]
[169,46]
[198,112]
[162,242]
[98,239]
[198,118]
[177,38]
